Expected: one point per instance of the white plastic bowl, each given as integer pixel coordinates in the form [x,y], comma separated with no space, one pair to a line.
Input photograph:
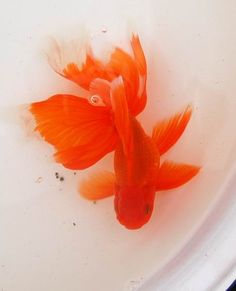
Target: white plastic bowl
[52,239]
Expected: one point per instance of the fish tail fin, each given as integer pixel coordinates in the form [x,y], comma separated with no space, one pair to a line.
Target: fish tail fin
[121,113]
[81,133]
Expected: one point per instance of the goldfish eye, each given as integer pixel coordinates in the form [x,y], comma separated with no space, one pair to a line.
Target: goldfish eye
[96,100]
[147,209]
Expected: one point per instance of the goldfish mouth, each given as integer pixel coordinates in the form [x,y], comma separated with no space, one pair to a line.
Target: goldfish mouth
[133,226]
[134,223]
[133,212]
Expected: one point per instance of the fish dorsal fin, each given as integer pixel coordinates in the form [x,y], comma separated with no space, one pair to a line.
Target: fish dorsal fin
[121,114]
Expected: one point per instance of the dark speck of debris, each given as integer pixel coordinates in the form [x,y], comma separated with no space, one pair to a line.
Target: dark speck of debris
[62,179]
[74,223]
[94,202]
[39,180]
[74,173]
[57,175]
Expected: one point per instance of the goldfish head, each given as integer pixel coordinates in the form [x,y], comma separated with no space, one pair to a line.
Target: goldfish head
[134,205]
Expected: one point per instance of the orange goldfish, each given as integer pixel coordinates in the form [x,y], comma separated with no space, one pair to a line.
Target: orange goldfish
[83,129]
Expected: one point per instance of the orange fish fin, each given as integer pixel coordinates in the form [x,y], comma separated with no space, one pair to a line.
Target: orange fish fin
[121,113]
[122,64]
[91,69]
[98,186]
[166,132]
[83,156]
[139,57]
[75,128]
[172,175]
[101,88]
[133,69]
[76,62]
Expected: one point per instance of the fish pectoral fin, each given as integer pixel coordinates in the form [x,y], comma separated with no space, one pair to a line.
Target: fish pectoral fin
[172,175]
[98,186]
[167,132]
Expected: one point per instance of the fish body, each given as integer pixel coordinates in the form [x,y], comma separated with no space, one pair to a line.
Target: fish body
[83,129]
[136,163]
[136,174]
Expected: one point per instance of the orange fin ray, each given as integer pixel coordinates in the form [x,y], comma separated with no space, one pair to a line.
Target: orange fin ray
[81,133]
[91,69]
[133,69]
[97,186]
[121,113]
[75,61]
[83,156]
[94,75]
[139,55]
[167,132]
[139,102]
[101,88]
[172,175]
[122,64]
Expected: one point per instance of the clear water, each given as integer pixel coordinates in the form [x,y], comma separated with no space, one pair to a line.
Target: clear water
[190,49]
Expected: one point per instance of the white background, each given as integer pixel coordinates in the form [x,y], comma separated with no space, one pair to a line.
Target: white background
[190,48]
